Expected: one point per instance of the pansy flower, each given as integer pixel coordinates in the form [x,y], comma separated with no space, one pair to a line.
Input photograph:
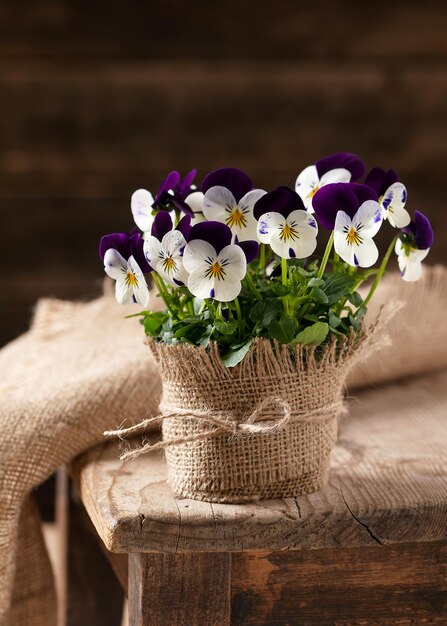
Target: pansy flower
[127,244]
[341,167]
[413,246]
[130,284]
[392,195]
[354,214]
[230,198]
[285,224]
[216,266]
[164,247]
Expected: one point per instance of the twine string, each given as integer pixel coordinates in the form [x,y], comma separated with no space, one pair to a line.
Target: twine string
[223,422]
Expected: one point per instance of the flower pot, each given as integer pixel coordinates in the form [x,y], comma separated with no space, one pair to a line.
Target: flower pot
[263,429]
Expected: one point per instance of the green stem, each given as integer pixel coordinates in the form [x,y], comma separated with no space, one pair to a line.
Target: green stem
[284,282]
[326,256]
[382,268]
[159,283]
[252,285]
[239,317]
[262,256]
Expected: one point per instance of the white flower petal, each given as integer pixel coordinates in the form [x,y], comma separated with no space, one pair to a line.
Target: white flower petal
[152,250]
[242,222]
[359,251]
[307,184]
[115,265]
[233,262]
[218,203]
[173,243]
[141,206]
[342,248]
[195,254]
[195,201]
[337,175]
[226,290]
[393,203]
[123,292]
[201,285]
[368,219]
[139,287]
[173,274]
[268,224]
[410,269]
[303,220]
[366,253]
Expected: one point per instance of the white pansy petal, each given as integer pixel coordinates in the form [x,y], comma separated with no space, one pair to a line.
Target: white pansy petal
[141,206]
[200,285]
[123,292]
[173,275]
[226,290]
[304,220]
[305,245]
[152,250]
[233,262]
[195,201]
[218,203]
[337,175]
[115,265]
[280,246]
[307,184]
[173,242]
[195,254]
[246,228]
[342,248]
[368,219]
[366,254]
[268,224]
[410,270]
[140,289]
[399,218]
[393,203]
[342,222]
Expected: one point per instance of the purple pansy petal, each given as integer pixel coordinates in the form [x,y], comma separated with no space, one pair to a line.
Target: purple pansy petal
[331,199]
[379,180]
[171,181]
[136,248]
[237,181]
[422,231]
[184,226]
[363,192]
[250,249]
[162,225]
[347,160]
[281,200]
[215,233]
[184,186]
[117,241]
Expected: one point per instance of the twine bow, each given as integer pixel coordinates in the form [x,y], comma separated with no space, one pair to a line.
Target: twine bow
[224,422]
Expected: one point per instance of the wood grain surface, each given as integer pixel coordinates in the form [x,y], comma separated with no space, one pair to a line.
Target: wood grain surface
[388,485]
[99,99]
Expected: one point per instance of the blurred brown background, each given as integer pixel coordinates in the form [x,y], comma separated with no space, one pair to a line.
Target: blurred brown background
[100,98]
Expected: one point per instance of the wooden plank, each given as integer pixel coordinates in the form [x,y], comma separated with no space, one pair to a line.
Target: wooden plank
[179,590]
[54,28]
[402,585]
[387,485]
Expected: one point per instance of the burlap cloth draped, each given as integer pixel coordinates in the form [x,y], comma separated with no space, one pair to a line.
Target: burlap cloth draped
[83,369]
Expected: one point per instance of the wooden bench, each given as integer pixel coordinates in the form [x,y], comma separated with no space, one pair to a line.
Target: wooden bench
[368,549]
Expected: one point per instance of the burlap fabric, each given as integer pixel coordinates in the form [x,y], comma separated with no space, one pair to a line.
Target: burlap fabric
[81,369]
[263,429]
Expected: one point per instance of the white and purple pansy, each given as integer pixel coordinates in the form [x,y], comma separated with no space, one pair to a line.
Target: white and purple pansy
[341,167]
[229,198]
[392,195]
[164,247]
[216,266]
[285,224]
[355,216]
[413,246]
[141,204]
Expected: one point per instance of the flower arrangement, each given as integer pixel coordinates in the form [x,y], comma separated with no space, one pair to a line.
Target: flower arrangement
[233,263]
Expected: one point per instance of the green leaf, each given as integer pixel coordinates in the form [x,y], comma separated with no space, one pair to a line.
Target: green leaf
[334,320]
[361,312]
[315,282]
[355,298]
[233,357]
[282,330]
[338,286]
[153,323]
[265,311]
[226,328]
[321,296]
[313,335]
[354,322]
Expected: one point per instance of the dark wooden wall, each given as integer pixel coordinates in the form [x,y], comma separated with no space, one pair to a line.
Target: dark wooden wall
[100,98]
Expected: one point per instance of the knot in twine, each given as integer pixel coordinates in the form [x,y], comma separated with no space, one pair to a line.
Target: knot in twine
[223,422]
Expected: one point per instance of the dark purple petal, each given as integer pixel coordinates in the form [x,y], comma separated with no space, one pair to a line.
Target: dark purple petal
[117,241]
[347,197]
[250,249]
[184,226]
[281,200]
[179,204]
[136,249]
[162,224]
[422,231]
[237,181]
[347,160]
[185,185]
[379,180]
[215,233]
[171,181]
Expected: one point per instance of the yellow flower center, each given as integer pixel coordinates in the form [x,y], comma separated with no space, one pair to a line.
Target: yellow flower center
[215,270]
[131,280]
[288,232]
[313,192]
[352,237]
[236,218]
[169,265]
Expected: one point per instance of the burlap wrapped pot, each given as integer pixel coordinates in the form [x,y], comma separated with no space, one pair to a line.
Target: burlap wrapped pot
[263,429]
